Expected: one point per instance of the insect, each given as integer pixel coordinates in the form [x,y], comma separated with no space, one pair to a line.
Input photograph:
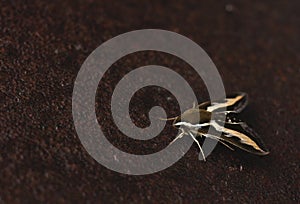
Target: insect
[234,132]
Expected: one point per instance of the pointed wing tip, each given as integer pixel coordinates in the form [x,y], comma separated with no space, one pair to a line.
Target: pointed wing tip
[263,153]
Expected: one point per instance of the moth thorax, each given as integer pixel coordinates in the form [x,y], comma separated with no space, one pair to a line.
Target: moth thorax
[195,116]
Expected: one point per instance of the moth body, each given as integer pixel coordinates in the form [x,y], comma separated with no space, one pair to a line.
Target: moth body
[220,117]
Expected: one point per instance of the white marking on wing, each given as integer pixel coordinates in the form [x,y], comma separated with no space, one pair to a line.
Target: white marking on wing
[232,133]
[189,125]
[228,102]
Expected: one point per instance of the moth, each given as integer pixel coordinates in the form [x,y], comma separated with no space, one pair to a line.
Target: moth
[231,132]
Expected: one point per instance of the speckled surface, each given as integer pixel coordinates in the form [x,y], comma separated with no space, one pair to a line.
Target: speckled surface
[255,46]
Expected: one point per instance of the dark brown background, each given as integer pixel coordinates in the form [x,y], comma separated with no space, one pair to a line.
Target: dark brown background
[42,46]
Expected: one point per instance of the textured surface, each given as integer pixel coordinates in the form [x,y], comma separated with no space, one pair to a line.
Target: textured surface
[255,46]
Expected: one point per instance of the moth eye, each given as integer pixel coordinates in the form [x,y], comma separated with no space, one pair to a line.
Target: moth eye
[176,121]
[176,124]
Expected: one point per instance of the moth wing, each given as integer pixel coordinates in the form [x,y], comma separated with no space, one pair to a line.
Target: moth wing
[235,102]
[237,133]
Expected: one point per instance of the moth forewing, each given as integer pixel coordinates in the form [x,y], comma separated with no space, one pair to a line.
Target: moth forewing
[232,103]
[238,133]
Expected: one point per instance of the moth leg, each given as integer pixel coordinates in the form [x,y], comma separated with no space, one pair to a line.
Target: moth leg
[198,145]
[178,137]
[219,140]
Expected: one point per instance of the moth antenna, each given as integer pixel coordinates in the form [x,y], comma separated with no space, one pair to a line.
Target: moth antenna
[167,119]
